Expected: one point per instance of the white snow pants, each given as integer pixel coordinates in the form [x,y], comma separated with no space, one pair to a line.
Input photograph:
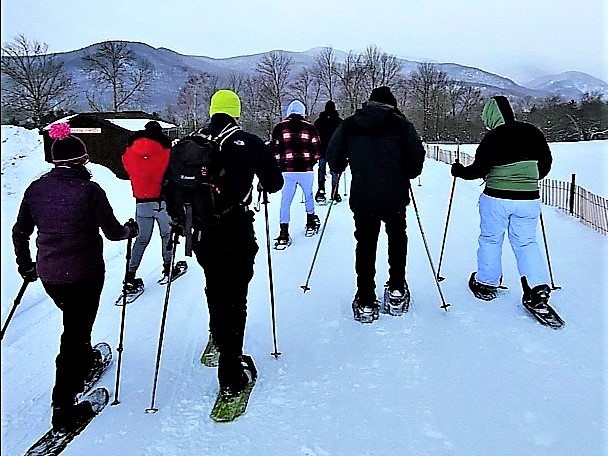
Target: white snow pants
[520,219]
[304,180]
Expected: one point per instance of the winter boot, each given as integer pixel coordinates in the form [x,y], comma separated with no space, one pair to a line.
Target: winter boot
[249,375]
[396,299]
[481,291]
[365,310]
[66,417]
[133,285]
[320,197]
[283,241]
[312,224]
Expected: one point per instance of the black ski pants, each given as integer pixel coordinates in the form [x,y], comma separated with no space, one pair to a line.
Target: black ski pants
[226,251]
[367,230]
[79,302]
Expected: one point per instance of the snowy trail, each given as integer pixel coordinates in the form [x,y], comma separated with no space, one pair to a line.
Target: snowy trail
[481,379]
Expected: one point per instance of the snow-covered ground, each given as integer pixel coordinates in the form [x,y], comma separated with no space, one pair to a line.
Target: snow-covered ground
[483,379]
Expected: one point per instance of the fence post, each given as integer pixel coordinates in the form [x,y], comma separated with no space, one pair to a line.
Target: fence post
[572,187]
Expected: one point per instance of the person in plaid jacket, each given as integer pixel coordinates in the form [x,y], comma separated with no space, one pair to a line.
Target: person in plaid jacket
[295,143]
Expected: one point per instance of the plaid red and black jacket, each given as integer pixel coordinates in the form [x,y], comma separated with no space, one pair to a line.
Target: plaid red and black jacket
[295,143]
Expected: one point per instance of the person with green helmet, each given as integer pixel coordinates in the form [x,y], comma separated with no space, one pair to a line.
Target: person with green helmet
[512,157]
[224,242]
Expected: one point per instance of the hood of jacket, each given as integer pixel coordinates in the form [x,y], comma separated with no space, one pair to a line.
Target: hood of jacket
[373,113]
[218,123]
[497,111]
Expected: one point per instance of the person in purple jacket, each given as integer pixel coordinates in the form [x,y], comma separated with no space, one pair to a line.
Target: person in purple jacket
[68,209]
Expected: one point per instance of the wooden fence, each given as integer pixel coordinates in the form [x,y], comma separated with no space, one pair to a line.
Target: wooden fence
[589,208]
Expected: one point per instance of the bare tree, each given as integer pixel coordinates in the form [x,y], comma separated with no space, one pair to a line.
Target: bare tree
[427,89]
[192,106]
[381,69]
[306,88]
[37,81]
[274,70]
[326,71]
[351,74]
[115,68]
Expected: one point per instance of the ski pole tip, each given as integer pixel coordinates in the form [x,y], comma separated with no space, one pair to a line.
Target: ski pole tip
[151,410]
[276,354]
[440,279]
[445,306]
[305,288]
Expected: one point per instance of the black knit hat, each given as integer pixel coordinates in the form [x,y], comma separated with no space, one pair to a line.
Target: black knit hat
[330,106]
[384,95]
[153,126]
[66,149]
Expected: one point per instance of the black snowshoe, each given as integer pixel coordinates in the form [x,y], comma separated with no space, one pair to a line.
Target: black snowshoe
[134,288]
[312,225]
[284,240]
[179,270]
[320,198]
[396,300]
[536,301]
[481,291]
[365,311]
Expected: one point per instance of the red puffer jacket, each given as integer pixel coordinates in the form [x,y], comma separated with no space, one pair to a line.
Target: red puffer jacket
[146,160]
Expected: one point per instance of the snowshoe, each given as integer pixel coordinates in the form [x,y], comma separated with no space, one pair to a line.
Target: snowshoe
[134,289]
[312,225]
[179,270]
[536,301]
[103,359]
[396,300]
[336,198]
[281,243]
[230,404]
[211,354]
[365,312]
[320,198]
[481,291]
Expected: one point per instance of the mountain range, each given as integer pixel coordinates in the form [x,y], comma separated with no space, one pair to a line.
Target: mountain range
[171,69]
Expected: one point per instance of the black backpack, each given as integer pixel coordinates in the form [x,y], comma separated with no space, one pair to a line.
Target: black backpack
[195,181]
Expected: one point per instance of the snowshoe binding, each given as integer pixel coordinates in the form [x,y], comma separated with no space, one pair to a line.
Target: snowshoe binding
[230,404]
[320,198]
[179,270]
[396,300]
[482,291]
[536,301]
[365,311]
[312,225]
[284,240]
[133,288]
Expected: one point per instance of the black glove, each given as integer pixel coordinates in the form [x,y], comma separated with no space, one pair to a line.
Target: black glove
[457,169]
[133,228]
[28,272]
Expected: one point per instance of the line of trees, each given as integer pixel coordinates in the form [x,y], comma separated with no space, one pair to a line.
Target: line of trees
[441,108]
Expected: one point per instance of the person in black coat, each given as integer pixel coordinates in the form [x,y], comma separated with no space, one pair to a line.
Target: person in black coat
[384,152]
[224,241]
[326,125]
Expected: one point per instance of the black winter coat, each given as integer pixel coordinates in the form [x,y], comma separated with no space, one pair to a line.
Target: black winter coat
[326,125]
[384,152]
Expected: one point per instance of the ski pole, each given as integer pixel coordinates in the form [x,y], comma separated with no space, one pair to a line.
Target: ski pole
[276,352]
[447,220]
[120,347]
[542,225]
[174,241]
[444,304]
[305,287]
[15,304]
[345,184]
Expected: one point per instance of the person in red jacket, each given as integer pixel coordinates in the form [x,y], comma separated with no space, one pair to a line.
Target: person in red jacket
[145,159]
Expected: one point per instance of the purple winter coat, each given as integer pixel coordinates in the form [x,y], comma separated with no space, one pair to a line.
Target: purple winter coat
[68,209]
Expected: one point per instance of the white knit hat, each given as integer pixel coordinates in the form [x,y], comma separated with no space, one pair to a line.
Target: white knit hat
[296,107]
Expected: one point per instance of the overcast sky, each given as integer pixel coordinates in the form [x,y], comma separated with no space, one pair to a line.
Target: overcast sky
[505,37]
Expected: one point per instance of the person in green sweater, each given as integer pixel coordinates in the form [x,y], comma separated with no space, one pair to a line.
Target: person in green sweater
[512,157]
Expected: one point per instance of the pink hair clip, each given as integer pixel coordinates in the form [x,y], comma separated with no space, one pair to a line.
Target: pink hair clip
[59,131]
